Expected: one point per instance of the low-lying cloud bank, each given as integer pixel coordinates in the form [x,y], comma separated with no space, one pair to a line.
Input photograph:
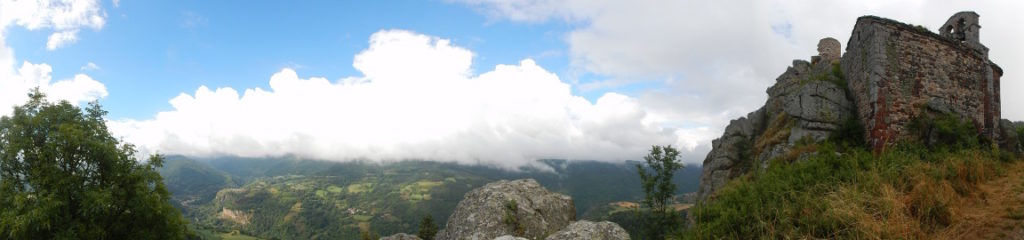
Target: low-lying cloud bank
[417,100]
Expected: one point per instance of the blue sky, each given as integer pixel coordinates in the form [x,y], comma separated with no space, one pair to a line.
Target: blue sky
[149,52]
[472,81]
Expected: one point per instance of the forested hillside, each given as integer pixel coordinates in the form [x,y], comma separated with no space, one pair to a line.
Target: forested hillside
[288,197]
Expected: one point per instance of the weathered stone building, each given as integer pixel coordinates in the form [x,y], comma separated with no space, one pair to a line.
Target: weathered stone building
[890,74]
[896,71]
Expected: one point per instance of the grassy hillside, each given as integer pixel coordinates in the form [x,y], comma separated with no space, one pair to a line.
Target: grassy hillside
[912,191]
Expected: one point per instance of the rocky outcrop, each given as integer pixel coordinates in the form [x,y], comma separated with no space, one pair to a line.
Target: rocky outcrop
[236,216]
[520,208]
[890,74]
[401,236]
[807,103]
[509,237]
[586,230]
[729,156]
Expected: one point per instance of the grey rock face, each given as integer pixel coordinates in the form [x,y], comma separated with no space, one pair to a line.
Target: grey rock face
[807,101]
[401,236]
[586,230]
[509,237]
[488,212]
[724,162]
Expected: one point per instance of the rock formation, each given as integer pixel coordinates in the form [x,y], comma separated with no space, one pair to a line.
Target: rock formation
[586,230]
[890,74]
[807,103]
[401,236]
[509,237]
[520,208]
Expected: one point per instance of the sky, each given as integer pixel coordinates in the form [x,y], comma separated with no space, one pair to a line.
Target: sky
[468,81]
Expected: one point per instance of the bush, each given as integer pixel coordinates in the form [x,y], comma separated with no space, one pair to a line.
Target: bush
[850,133]
[945,132]
[1020,135]
[512,217]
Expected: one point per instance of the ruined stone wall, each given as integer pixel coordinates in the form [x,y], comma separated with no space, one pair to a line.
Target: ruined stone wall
[896,71]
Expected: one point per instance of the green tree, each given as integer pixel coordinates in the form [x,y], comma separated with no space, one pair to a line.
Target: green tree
[427,228]
[62,175]
[656,179]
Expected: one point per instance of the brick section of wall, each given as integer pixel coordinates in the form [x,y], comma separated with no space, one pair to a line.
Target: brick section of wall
[895,71]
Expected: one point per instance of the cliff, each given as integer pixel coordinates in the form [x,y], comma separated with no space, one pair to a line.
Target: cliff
[891,74]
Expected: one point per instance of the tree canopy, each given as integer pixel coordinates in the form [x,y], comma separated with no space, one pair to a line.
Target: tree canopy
[62,175]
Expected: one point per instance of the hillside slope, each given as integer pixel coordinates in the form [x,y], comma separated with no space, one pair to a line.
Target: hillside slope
[995,212]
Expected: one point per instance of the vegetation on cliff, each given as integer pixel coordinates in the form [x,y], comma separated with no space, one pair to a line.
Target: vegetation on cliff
[916,189]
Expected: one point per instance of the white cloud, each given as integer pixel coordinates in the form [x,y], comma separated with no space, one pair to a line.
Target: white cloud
[65,18]
[117,3]
[14,88]
[59,39]
[716,58]
[90,66]
[416,100]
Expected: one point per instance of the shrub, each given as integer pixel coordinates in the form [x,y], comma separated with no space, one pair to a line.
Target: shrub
[511,217]
[850,133]
[1020,135]
[944,132]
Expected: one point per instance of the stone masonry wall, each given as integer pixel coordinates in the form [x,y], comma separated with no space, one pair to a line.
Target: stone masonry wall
[895,71]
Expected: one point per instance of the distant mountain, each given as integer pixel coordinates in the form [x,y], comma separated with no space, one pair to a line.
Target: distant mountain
[192,182]
[294,198]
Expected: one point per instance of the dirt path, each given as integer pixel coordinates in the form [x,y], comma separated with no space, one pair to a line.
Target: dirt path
[996,211]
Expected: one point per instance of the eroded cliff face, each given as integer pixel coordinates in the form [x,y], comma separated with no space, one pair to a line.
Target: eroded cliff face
[890,74]
[807,104]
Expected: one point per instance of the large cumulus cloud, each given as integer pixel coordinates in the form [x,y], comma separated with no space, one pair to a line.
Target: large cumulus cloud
[417,99]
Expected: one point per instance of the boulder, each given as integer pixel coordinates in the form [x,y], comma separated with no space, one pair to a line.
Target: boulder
[519,208]
[587,230]
[509,237]
[401,236]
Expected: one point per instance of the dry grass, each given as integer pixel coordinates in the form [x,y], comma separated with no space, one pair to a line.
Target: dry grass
[875,217]
[957,199]
[777,132]
[994,212]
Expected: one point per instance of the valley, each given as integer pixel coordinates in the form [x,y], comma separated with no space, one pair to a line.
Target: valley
[290,198]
